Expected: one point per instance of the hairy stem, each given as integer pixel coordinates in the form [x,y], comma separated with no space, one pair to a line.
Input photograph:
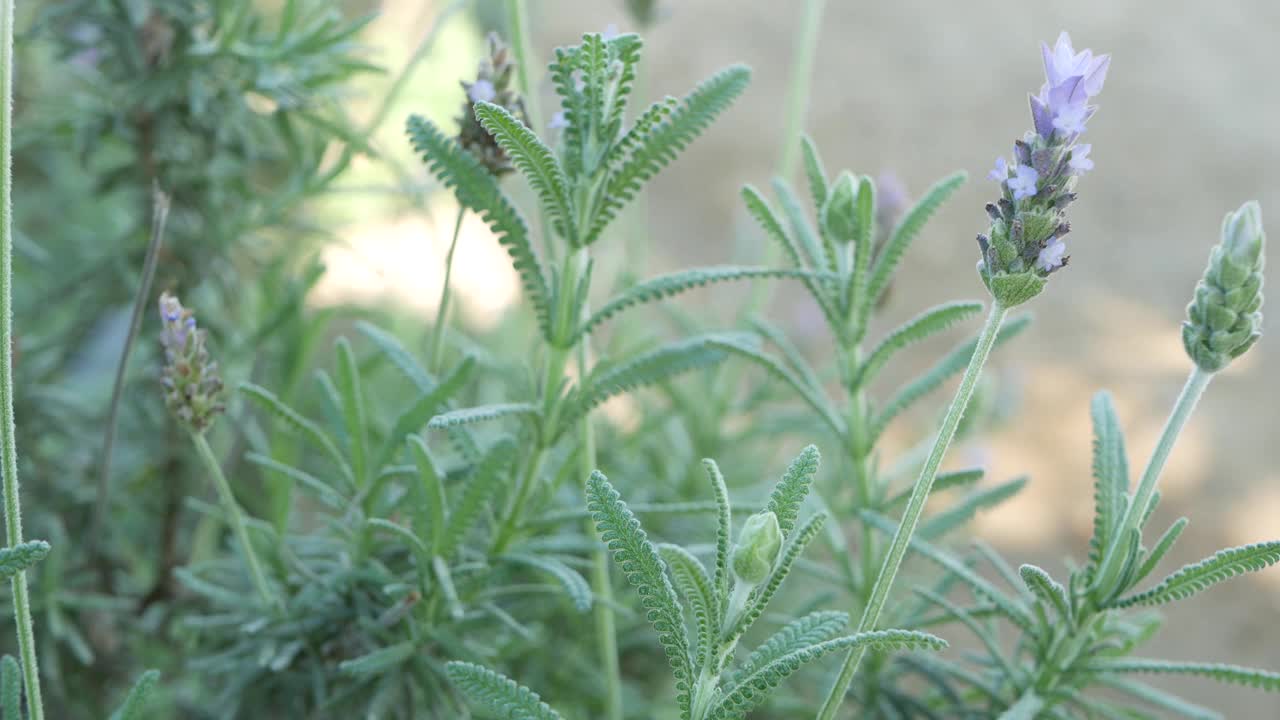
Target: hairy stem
[160,214]
[915,506]
[8,431]
[236,516]
[1195,386]
[442,312]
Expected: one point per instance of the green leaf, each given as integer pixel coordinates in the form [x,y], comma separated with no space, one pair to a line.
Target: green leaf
[910,226]
[724,529]
[268,401]
[645,571]
[482,413]
[353,413]
[1161,548]
[802,632]
[538,164]
[1011,608]
[768,219]
[1161,699]
[792,488]
[480,488]
[655,366]
[1258,679]
[1192,579]
[951,364]
[756,687]
[809,242]
[863,238]
[478,190]
[1027,707]
[964,510]
[747,348]
[424,408]
[674,283]
[944,481]
[1047,590]
[10,689]
[931,321]
[379,661]
[694,584]
[327,494]
[664,141]
[136,701]
[575,586]
[398,355]
[1111,477]
[814,172]
[18,558]
[497,694]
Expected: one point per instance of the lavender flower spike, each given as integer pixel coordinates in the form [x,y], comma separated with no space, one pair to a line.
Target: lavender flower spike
[1024,244]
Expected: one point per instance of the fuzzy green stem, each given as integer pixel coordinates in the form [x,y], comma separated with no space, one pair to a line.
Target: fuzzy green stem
[8,430]
[801,85]
[236,516]
[442,312]
[1195,386]
[915,506]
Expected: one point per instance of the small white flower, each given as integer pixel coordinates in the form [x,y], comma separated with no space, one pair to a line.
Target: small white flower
[1001,171]
[1070,118]
[558,121]
[1080,161]
[1023,183]
[1051,256]
[481,91]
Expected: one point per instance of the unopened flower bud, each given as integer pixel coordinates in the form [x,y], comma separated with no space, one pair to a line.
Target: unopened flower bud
[840,214]
[192,386]
[757,550]
[1224,318]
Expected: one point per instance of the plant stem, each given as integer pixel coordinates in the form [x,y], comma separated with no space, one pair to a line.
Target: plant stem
[801,84]
[442,312]
[236,516]
[1195,386]
[160,208]
[8,430]
[915,506]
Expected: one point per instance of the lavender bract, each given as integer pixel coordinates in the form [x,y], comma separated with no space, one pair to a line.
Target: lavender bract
[1024,244]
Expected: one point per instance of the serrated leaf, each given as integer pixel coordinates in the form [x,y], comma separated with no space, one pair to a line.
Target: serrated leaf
[814,172]
[10,689]
[1027,707]
[268,401]
[674,283]
[801,229]
[967,507]
[482,413]
[324,491]
[763,212]
[724,529]
[790,554]
[1162,547]
[1161,699]
[479,490]
[538,164]
[691,579]
[136,701]
[1195,578]
[355,424]
[18,558]
[478,190]
[665,140]
[575,586]
[1251,677]
[944,481]
[427,406]
[1111,477]
[645,571]
[949,365]
[907,229]
[498,694]
[802,632]
[1049,591]
[791,489]
[429,504]
[756,687]
[929,322]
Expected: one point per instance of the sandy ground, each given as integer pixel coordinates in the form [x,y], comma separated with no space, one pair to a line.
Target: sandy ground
[1187,131]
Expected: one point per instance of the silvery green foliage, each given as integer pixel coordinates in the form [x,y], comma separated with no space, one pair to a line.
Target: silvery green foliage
[1224,319]
[721,602]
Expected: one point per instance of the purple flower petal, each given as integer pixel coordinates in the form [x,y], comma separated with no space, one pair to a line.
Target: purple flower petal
[1001,171]
[1023,183]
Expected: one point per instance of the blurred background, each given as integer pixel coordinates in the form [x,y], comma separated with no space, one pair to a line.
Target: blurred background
[1188,129]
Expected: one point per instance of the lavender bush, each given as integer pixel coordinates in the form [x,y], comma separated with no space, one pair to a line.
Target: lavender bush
[429,529]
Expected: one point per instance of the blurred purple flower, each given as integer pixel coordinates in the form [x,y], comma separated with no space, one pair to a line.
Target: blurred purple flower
[1001,171]
[558,121]
[1072,79]
[481,91]
[1023,183]
[1080,161]
[1052,256]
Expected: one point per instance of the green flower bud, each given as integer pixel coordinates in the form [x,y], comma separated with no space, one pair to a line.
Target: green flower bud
[757,550]
[1224,318]
[839,213]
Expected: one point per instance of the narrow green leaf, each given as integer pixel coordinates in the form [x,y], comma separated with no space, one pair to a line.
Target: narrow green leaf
[538,164]
[1251,677]
[801,229]
[1192,579]
[1047,590]
[931,321]
[1161,699]
[724,528]
[1161,548]
[790,492]
[136,701]
[427,406]
[763,212]
[379,661]
[644,570]
[479,490]
[910,226]
[575,586]
[814,172]
[483,413]
[430,505]
[1111,477]
[691,579]
[268,401]
[944,481]
[802,632]
[353,412]
[1027,707]
[10,689]
[963,511]
[747,348]
[497,694]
